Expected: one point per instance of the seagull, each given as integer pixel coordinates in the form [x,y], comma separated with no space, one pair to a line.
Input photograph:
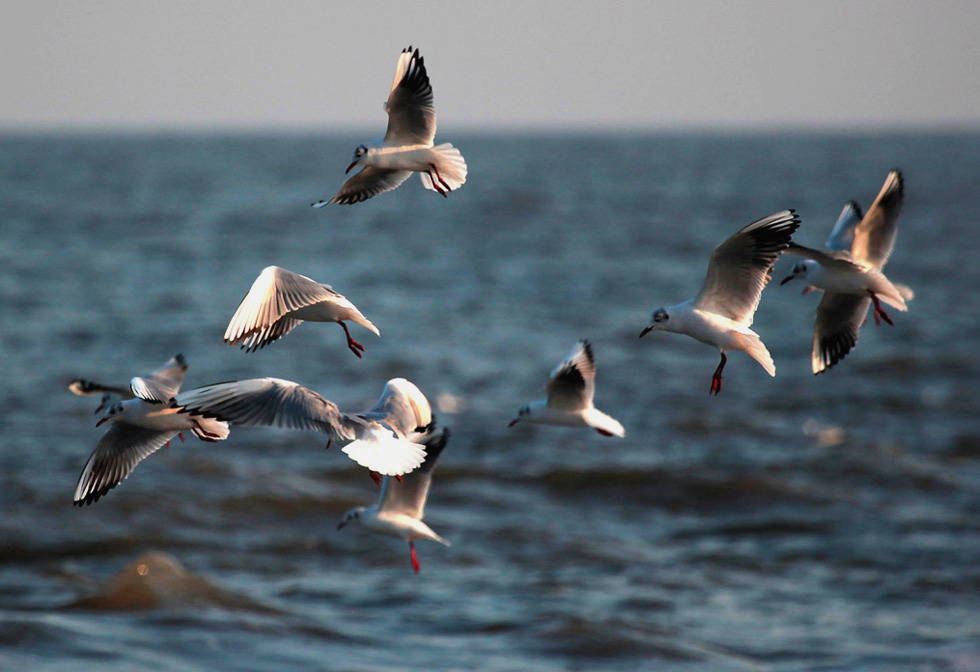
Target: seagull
[280,300]
[398,512]
[850,274]
[570,390]
[407,146]
[383,438]
[140,426]
[721,314]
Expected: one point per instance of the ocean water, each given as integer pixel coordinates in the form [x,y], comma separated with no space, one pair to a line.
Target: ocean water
[791,523]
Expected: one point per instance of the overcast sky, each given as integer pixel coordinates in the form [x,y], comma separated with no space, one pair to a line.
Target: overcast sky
[321,66]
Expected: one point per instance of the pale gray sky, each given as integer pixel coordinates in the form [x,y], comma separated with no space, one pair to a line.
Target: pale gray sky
[320,66]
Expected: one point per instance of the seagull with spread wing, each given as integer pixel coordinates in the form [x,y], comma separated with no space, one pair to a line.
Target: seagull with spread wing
[401,503]
[570,389]
[280,300]
[722,313]
[407,146]
[141,426]
[850,273]
[384,438]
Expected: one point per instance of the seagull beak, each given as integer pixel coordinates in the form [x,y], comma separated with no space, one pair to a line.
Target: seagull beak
[514,422]
[645,332]
[350,167]
[106,419]
[341,525]
[786,279]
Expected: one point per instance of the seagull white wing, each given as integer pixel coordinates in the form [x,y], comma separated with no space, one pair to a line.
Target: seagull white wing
[267,401]
[411,111]
[827,258]
[739,268]
[842,237]
[403,407]
[572,383]
[835,331]
[408,496]
[366,184]
[262,316]
[875,236]
[163,384]
[120,449]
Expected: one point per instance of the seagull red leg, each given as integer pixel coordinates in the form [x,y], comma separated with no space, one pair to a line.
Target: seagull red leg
[448,188]
[354,346]
[435,184]
[716,378]
[203,434]
[375,477]
[415,558]
[880,313]
[181,435]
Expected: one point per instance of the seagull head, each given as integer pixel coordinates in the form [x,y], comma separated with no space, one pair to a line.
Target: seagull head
[114,412]
[524,411]
[802,270]
[359,155]
[658,320]
[353,514]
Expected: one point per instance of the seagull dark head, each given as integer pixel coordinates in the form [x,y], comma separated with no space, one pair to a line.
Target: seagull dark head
[524,411]
[801,270]
[114,412]
[359,155]
[353,514]
[658,320]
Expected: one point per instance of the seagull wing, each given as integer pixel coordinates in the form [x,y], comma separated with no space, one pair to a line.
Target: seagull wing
[403,407]
[408,495]
[411,111]
[842,237]
[120,449]
[875,236]
[262,316]
[826,258]
[572,383]
[835,332]
[269,402]
[83,387]
[739,268]
[369,182]
[163,384]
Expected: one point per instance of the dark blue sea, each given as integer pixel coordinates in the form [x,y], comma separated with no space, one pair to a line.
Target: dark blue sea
[791,523]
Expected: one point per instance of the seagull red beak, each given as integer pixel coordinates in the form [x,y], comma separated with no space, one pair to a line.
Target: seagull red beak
[786,279]
[106,419]
[340,526]
[350,167]
[514,422]
[645,332]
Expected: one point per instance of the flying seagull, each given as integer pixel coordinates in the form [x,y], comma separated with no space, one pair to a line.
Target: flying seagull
[721,314]
[401,503]
[140,426]
[407,146]
[384,438]
[569,402]
[850,273]
[280,300]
